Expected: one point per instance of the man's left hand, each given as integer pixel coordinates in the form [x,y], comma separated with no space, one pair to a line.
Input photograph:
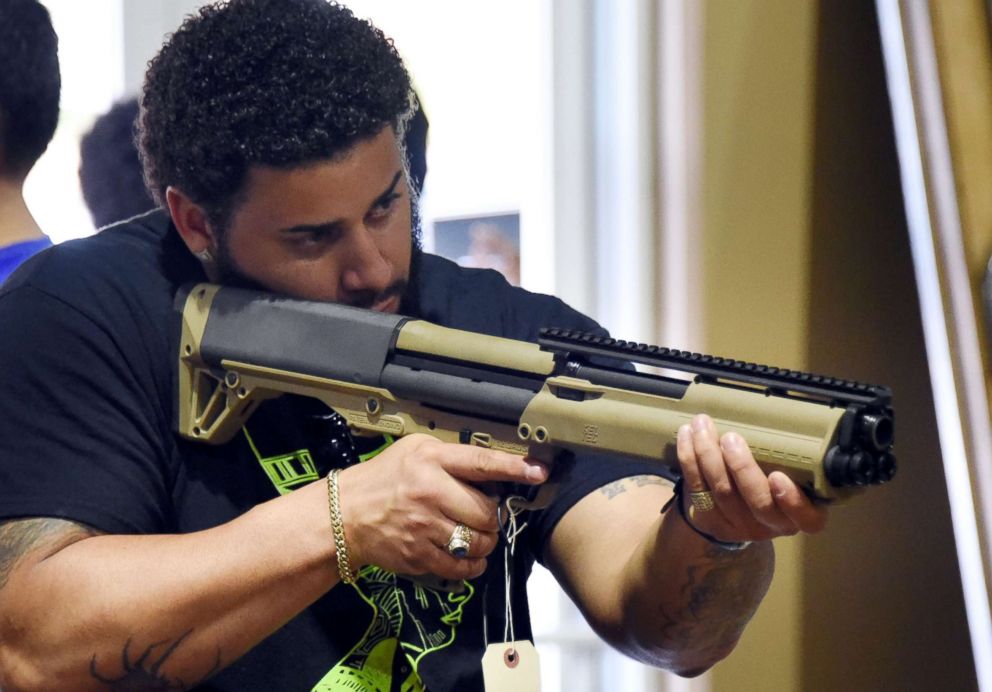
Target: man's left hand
[748,505]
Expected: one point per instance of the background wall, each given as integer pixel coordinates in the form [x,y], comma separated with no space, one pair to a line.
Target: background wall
[963,48]
[808,266]
[889,573]
[758,83]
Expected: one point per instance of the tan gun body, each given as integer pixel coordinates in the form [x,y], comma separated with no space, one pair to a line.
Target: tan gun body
[387,374]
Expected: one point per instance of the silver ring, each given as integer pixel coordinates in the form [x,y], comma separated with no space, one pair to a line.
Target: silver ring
[460,541]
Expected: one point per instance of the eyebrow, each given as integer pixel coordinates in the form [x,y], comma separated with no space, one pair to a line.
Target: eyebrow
[335,226]
[389,190]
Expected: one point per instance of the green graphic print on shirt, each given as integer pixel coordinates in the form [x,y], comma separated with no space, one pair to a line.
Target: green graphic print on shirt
[418,619]
[407,616]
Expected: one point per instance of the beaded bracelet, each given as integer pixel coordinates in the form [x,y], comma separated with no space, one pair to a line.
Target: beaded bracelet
[337,527]
[677,499]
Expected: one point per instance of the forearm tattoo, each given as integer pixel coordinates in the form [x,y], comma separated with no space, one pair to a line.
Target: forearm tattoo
[721,593]
[23,536]
[145,671]
[141,671]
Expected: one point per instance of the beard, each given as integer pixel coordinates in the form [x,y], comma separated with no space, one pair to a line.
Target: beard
[410,305]
[231,274]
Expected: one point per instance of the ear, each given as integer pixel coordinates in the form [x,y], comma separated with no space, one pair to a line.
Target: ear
[191,222]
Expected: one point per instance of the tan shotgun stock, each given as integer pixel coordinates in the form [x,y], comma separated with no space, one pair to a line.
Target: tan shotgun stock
[390,374]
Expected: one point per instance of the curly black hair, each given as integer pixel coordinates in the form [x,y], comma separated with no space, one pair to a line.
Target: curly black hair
[109,169]
[273,82]
[30,83]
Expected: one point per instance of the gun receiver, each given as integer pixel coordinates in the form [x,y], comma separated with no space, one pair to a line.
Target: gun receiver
[395,375]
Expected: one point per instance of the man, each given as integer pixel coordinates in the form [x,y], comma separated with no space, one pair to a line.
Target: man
[29,111]
[133,559]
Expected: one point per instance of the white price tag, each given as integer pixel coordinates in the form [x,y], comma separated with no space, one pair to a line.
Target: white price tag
[511,667]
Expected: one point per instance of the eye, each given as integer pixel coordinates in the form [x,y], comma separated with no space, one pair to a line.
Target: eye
[384,205]
[313,237]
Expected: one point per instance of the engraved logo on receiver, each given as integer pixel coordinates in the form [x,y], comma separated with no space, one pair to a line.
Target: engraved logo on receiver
[392,425]
[512,447]
[590,434]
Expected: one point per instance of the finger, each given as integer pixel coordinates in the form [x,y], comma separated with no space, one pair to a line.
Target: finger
[691,476]
[713,470]
[709,455]
[481,543]
[689,461]
[807,516]
[753,485]
[478,465]
[444,565]
[461,502]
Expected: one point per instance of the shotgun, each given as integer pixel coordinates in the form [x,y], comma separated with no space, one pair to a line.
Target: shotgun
[572,391]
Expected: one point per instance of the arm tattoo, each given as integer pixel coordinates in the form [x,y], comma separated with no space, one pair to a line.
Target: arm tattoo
[611,490]
[641,481]
[23,536]
[718,599]
[145,672]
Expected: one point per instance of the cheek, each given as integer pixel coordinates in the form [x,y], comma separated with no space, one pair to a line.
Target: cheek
[400,245]
[317,279]
[281,271]
[399,254]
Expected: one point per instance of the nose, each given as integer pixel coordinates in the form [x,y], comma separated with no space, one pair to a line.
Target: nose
[366,269]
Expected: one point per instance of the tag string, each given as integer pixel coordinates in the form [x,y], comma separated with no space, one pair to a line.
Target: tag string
[510,532]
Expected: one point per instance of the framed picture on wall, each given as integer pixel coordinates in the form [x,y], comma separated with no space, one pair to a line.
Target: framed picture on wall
[491,242]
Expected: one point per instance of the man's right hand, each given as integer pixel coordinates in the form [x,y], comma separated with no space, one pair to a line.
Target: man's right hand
[401,507]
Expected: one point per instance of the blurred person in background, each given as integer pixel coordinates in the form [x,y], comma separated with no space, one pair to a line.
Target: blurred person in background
[30,83]
[109,169]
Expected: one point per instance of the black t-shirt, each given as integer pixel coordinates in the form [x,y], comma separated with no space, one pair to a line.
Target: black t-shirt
[88,346]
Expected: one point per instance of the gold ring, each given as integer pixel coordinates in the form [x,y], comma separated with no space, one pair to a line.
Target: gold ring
[702,501]
[460,541]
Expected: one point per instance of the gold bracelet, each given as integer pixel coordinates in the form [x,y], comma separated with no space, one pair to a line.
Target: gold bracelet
[337,526]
